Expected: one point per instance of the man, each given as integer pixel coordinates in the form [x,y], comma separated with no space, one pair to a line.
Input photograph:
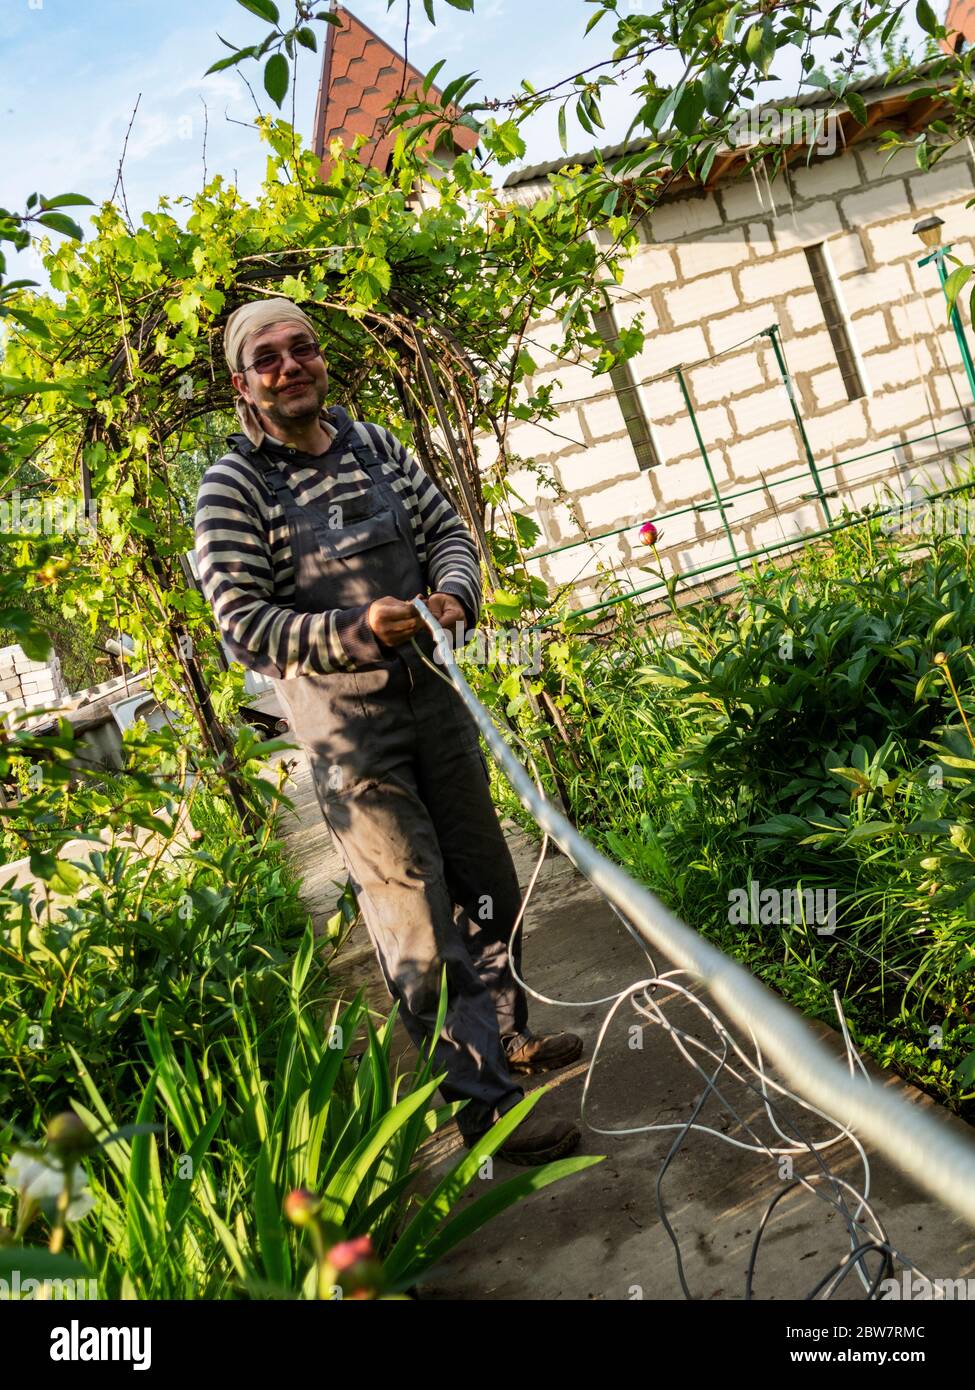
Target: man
[313,535]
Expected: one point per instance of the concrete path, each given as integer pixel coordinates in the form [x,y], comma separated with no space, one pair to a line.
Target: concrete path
[599,1234]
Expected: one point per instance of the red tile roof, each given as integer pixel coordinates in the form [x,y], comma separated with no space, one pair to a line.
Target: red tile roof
[961,19]
[361,74]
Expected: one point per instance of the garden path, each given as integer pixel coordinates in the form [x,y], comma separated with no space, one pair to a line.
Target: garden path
[598,1234]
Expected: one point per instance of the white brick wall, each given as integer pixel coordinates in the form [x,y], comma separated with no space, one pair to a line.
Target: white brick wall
[701,298]
[601,417]
[825,176]
[741,199]
[728,375]
[945,183]
[713,253]
[846,253]
[877,204]
[898,409]
[809,352]
[763,453]
[897,366]
[719,268]
[760,410]
[827,388]
[774,276]
[805,311]
[869,331]
[894,241]
[812,224]
[873,287]
[840,429]
[684,217]
[650,266]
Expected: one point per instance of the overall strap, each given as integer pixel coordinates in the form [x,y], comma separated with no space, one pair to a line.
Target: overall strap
[277,482]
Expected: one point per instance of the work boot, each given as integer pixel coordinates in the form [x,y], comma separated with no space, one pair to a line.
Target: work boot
[545,1053]
[538,1139]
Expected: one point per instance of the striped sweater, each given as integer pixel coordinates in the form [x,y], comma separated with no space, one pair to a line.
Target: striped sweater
[243,551]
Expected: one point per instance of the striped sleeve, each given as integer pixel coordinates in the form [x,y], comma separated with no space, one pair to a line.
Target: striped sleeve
[239,529]
[451,558]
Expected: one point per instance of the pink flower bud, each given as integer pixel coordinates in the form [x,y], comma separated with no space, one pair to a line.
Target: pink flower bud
[348,1252]
[300,1206]
[648,533]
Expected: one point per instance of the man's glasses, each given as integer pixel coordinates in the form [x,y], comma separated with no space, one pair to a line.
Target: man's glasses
[267,362]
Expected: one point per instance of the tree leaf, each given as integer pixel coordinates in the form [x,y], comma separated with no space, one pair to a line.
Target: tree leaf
[431,76]
[857,106]
[926,17]
[230,62]
[66,200]
[59,222]
[690,109]
[717,89]
[276,78]
[264,9]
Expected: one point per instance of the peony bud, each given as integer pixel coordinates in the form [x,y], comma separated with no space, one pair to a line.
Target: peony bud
[358,1272]
[648,533]
[300,1206]
[940,658]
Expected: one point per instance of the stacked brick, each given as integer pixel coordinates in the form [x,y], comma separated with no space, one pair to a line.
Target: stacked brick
[27,684]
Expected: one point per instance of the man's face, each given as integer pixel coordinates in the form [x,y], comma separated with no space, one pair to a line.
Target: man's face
[286,390]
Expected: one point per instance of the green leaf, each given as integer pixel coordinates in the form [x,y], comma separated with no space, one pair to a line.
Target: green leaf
[760,45]
[955,283]
[264,9]
[230,62]
[303,959]
[965,1071]
[562,136]
[491,1204]
[926,17]
[58,222]
[431,76]
[29,321]
[271,1238]
[717,89]
[306,37]
[690,109]
[857,106]
[346,1181]
[461,4]
[67,200]
[276,78]
[33,1262]
[66,879]
[428,7]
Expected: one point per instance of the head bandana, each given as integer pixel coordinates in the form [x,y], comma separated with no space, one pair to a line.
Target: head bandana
[240,326]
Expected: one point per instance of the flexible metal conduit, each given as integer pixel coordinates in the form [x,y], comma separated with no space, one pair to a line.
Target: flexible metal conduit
[934,1155]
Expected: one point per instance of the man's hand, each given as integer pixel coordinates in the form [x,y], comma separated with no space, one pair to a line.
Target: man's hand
[393,621]
[448,611]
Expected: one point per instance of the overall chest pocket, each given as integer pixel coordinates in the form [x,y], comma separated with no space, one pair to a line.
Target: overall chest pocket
[356,535]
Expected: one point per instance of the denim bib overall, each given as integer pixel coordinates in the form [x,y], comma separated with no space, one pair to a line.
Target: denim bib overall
[404,789]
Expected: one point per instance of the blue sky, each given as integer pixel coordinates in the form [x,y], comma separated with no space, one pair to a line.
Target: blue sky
[73,70]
